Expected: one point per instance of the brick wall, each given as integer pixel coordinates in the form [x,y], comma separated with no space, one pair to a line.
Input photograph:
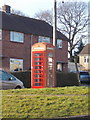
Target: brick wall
[23,50]
[61,53]
[16,50]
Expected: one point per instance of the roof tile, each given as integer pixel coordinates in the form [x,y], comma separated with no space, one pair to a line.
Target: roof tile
[28,25]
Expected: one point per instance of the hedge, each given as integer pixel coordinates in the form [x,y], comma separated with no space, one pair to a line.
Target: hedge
[24,76]
[66,79]
[62,78]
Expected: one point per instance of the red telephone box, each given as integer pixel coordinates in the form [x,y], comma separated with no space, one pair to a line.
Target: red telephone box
[43,65]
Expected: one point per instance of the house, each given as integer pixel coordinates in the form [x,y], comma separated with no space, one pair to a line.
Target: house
[19,33]
[84,58]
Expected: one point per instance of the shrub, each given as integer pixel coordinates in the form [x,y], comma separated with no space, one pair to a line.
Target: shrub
[62,79]
[66,79]
[24,76]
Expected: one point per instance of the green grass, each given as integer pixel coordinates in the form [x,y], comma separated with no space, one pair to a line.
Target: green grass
[49,91]
[45,103]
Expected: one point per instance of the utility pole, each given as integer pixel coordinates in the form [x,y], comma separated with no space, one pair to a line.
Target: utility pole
[54,34]
[54,23]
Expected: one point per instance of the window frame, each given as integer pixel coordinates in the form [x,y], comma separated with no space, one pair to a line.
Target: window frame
[15,62]
[43,39]
[59,44]
[86,59]
[14,35]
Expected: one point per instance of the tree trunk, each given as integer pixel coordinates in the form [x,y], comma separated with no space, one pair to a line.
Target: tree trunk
[71,57]
[78,76]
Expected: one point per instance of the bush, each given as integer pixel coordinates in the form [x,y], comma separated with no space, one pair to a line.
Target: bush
[62,79]
[24,76]
[66,79]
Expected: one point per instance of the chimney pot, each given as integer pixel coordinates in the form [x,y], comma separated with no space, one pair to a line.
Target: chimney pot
[6,9]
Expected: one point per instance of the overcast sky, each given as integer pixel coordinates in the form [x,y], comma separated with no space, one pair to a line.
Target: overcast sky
[30,7]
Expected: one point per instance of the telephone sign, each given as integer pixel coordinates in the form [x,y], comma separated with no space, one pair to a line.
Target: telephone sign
[43,65]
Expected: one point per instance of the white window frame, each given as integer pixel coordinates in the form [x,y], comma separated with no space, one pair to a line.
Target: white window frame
[16,37]
[59,43]
[16,63]
[44,39]
[86,59]
[0,34]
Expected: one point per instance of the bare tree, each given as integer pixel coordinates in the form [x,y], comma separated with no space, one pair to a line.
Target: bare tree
[18,12]
[45,15]
[72,20]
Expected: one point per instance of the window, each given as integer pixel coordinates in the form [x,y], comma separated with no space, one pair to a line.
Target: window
[16,64]
[86,59]
[0,34]
[59,67]
[6,76]
[38,54]
[44,39]
[59,43]
[16,37]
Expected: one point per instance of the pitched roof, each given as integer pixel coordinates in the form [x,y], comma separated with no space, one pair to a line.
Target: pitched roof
[28,25]
[86,50]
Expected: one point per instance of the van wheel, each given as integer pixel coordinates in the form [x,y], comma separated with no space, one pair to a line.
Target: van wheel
[18,87]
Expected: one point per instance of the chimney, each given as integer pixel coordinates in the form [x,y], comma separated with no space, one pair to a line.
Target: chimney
[6,9]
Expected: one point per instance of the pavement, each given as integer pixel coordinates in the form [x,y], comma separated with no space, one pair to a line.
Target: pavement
[67,118]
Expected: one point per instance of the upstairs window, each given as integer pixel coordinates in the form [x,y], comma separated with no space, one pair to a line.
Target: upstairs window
[59,43]
[0,34]
[43,39]
[16,37]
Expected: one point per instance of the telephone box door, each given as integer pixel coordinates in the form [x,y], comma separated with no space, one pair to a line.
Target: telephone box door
[38,69]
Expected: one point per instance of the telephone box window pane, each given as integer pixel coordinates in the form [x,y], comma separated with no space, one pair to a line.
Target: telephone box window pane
[38,84]
[38,67]
[50,55]
[38,63]
[40,80]
[38,71]
[38,54]
[36,80]
[50,67]
[38,75]
[50,60]
[37,59]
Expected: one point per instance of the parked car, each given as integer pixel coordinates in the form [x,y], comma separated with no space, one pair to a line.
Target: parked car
[84,77]
[8,81]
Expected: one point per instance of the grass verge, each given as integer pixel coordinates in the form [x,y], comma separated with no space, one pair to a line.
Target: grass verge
[45,103]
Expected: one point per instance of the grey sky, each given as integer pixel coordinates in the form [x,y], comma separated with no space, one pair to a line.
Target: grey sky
[30,7]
